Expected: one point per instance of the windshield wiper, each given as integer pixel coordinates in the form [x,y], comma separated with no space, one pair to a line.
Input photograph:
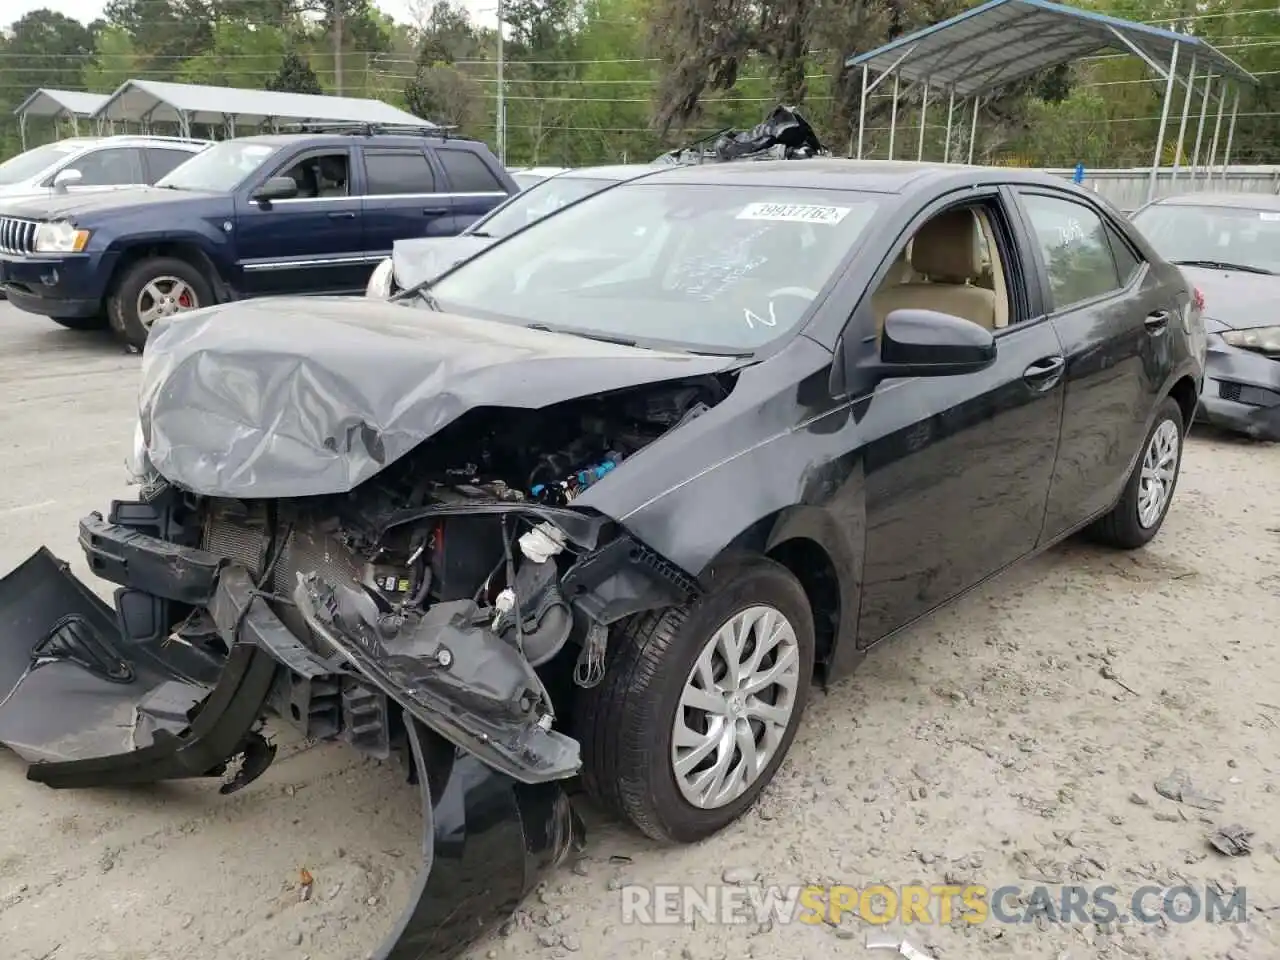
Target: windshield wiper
[483,234]
[602,337]
[1224,265]
[421,290]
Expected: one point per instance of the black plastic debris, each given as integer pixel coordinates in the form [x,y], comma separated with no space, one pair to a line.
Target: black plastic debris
[784,135]
[1232,841]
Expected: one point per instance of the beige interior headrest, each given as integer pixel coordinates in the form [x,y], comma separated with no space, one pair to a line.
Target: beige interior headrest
[945,249]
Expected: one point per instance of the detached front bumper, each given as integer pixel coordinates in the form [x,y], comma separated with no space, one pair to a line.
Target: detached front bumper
[1241,391]
[92,696]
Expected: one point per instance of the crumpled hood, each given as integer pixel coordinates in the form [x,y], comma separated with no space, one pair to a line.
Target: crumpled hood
[289,397]
[1237,299]
[426,258]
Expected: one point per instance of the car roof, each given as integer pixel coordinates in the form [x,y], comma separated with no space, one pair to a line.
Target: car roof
[1240,201]
[866,176]
[344,139]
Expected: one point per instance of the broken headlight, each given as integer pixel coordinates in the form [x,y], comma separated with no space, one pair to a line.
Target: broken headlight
[382,282]
[1259,339]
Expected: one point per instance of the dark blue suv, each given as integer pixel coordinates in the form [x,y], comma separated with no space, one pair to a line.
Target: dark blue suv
[254,216]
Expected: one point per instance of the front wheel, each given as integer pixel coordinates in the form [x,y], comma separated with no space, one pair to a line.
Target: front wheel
[1138,515]
[699,705]
[154,288]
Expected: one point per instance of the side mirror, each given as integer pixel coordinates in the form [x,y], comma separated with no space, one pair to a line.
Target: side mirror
[66,178]
[927,343]
[277,188]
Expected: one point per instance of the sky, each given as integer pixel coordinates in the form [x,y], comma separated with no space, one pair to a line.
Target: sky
[87,10]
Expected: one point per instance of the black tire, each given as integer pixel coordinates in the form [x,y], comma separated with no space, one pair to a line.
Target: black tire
[97,322]
[1121,527]
[625,723]
[122,303]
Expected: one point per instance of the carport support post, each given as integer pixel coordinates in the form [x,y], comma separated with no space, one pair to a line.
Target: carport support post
[1164,120]
[893,116]
[1182,126]
[924,108]
[973,125]
[1204,109]
[1231,129]
[1217,129]
[862,110]
[951,109]
[22,129]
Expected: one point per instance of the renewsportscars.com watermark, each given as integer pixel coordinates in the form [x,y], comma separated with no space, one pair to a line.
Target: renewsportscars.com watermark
[942,904]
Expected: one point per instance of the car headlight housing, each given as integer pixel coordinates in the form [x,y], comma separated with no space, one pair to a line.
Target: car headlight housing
[1259,339]
[382,282]
[60,237]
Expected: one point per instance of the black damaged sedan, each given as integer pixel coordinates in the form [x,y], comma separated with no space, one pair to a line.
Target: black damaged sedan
[609,516]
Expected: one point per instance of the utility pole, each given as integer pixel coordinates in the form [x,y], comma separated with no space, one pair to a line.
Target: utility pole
[502,93]
[339,10]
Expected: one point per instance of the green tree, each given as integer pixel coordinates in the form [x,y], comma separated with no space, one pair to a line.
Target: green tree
[295,76]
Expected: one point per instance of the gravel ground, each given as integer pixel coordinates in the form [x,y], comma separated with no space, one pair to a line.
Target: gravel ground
[1015,738]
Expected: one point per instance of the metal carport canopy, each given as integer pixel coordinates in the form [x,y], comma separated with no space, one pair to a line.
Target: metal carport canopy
[1006,40]
[57,103]
[147,101]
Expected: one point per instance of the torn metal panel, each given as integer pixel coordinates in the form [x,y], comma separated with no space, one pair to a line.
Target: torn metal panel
[317,396]
[88,706]
[487,841]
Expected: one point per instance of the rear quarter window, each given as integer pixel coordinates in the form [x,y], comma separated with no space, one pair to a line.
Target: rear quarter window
[467,172]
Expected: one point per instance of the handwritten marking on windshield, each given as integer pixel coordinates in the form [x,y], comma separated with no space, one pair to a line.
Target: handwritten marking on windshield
[793,212]
[754,318]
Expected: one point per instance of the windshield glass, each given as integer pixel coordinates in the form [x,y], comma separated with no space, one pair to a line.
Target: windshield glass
[219,168]
[537,202]
[708,267]
[1229,235]
[34,162]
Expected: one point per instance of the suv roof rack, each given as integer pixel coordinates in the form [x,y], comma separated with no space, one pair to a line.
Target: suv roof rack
[367,129]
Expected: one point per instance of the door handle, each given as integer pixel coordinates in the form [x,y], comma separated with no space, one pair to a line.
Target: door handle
[342,215]
[1157,322]
[434,211]
[1044,373]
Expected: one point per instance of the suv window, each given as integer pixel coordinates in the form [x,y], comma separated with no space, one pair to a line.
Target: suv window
[1073,242]
[320,175]
[111,167]
[398,171]
[467,172]
[160,160]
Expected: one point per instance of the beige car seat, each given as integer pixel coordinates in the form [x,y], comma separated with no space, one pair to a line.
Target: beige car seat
[945,252]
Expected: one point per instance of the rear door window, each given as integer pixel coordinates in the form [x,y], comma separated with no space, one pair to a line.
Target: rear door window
[161,160]
[1074,246]
[467,172]
[389,172]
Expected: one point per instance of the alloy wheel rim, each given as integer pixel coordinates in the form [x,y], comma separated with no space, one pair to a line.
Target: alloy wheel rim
[164,297]
[1159,469]
[735,707]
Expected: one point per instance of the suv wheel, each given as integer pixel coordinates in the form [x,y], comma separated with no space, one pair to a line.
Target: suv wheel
[151,289]
[699,705]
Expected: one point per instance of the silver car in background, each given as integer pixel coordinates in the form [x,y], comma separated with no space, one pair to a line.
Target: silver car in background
[93,163]
[1228,247]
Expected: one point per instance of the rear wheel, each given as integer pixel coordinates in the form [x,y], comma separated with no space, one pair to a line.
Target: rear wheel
[699,705]
[1138,515]
[151,289]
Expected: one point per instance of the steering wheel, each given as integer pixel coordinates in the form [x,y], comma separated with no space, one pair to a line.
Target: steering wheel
[794,292]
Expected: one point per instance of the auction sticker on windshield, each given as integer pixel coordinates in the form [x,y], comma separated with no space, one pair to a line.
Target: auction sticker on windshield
[793,212]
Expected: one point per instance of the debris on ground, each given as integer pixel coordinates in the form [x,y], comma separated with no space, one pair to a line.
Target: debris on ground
[1233,841]
[1177,786]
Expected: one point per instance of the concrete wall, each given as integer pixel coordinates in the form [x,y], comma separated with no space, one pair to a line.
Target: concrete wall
[1127,187]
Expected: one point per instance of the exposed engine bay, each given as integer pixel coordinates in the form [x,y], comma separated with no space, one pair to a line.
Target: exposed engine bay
[431,572]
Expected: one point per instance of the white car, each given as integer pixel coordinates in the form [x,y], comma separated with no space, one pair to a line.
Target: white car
[93,163]
[527,177]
